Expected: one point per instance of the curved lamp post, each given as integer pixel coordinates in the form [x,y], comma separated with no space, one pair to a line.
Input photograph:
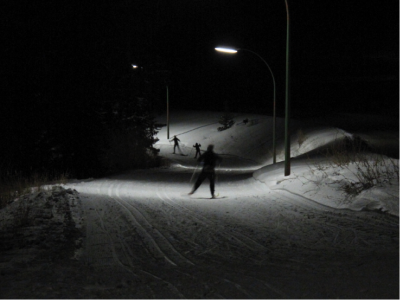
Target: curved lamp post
[287,95]
[234,51]
[287,102]
[167,113]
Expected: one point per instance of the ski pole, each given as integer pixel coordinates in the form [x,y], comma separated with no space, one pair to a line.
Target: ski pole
[193,173]
[216,176]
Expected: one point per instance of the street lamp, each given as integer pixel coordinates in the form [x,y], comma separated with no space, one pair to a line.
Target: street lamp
[227,50]
[234,51]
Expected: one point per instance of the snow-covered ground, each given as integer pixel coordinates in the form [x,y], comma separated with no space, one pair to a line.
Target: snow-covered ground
[267,235]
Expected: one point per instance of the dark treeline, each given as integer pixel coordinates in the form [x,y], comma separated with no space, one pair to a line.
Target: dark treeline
[72,101]
[70,96]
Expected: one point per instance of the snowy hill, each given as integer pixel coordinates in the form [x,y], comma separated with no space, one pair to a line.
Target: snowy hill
[313,175]
[325,231]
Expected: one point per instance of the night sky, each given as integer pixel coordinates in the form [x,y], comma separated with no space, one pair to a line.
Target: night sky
[344,54]
[60,58]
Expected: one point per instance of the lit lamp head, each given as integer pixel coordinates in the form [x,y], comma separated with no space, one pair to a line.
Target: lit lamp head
[227,50]
[135,66]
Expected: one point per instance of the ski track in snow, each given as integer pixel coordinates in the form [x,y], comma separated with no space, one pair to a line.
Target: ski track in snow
[112,247]
[258,240]
[266,236]
[146,233]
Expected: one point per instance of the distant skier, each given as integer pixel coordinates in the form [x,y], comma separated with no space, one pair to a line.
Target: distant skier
[210,159]
[176,144]
[245,121]
[197,146]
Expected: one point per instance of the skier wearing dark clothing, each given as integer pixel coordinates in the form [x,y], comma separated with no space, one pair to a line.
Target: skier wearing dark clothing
[197,146]
[176,144]
[209,159]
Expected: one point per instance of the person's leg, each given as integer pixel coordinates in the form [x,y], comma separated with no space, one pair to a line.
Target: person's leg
[211,177]
[198,182]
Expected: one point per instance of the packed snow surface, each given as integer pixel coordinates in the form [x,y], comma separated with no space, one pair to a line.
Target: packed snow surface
[317,233]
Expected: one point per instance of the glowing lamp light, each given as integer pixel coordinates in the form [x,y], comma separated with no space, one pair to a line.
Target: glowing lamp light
[226,50]
[135,66]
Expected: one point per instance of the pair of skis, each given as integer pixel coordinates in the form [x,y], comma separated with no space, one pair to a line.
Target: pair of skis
[216,196]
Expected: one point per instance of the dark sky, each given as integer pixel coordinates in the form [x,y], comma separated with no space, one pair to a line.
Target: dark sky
[58,55]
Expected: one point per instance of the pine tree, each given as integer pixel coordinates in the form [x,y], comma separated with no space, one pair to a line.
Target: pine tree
[226,120]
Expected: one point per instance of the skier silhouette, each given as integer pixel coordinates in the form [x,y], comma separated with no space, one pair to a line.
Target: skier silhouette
[210,159]
[176,144]
[197,146]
